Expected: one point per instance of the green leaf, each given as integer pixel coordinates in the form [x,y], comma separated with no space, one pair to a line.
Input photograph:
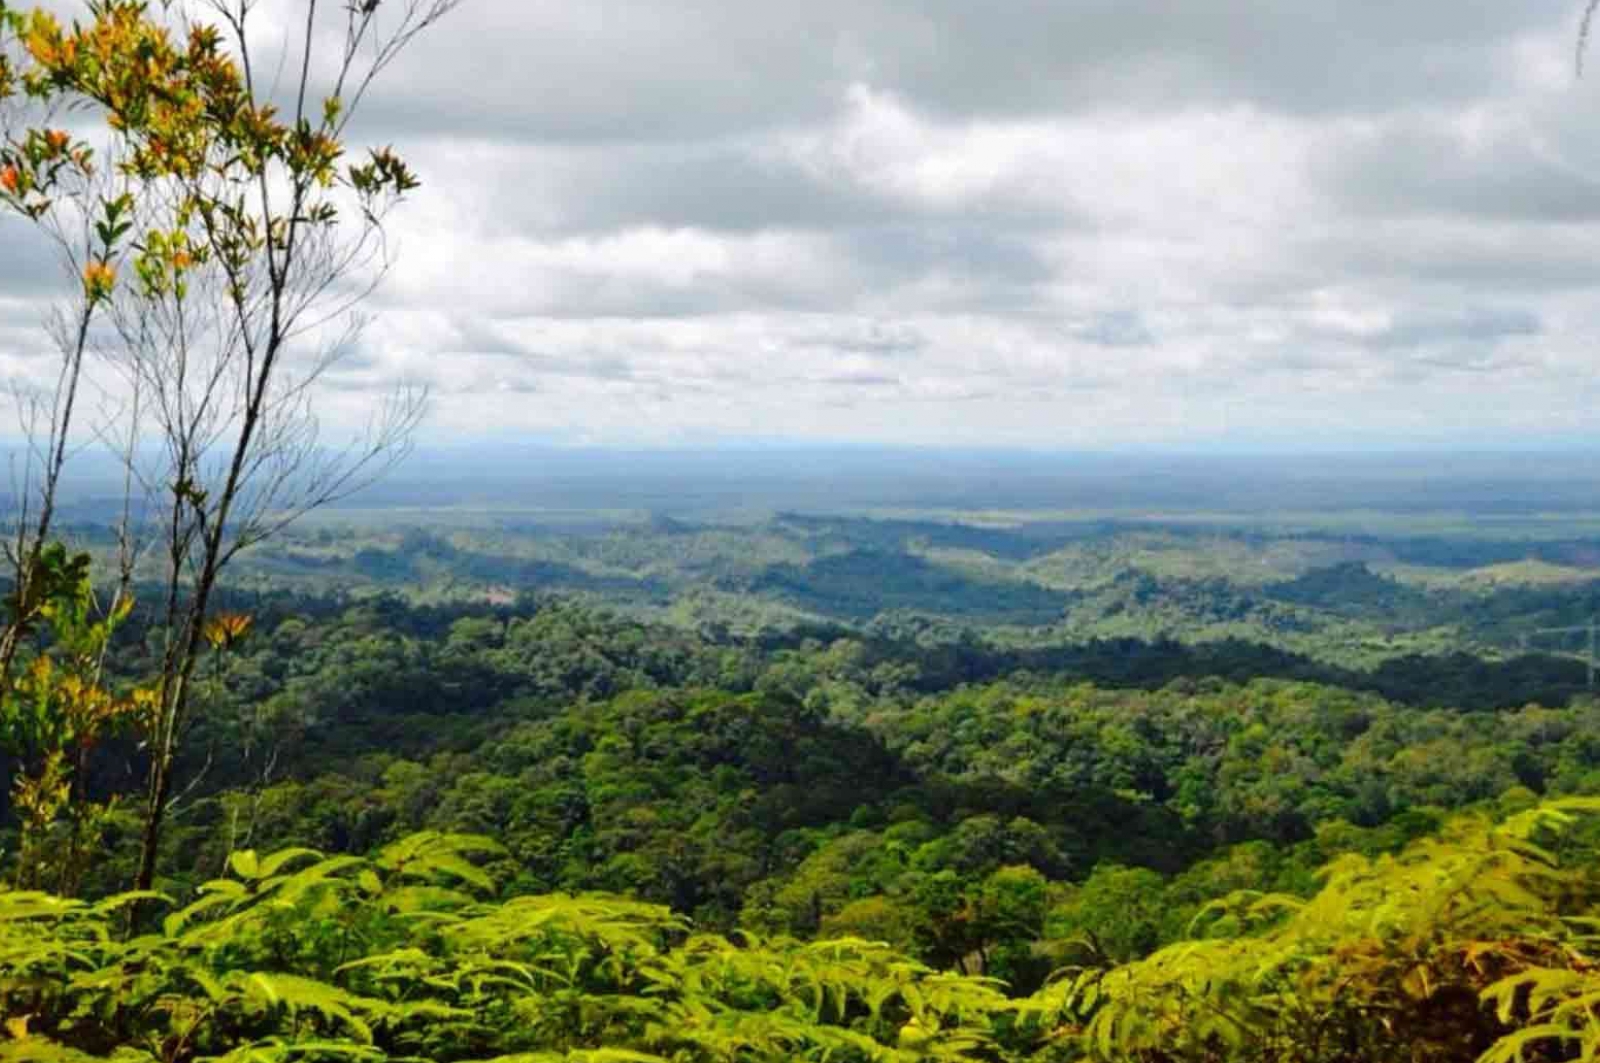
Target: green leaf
[244,864]
[276,862]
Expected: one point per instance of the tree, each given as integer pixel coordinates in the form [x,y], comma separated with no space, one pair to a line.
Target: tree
[230,247]
[1472,945]
[56,709]
[1117,912]
[53,713]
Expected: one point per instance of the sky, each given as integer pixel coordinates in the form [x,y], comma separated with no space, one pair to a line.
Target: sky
[1076,224]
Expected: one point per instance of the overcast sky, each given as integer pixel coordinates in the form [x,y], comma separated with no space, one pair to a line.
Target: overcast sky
[1056,223]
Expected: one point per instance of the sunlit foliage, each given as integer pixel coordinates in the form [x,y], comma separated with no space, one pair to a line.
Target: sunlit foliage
[1470,945]
[296,956]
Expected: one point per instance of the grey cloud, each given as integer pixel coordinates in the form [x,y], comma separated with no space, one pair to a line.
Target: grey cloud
[26,345]
[1459,255]
[635,298]
[610,70]
[580,295]
[971,265]
[484,338]
[1305,357]
[1415,348]
[1476,326]
[740,185]
[1418,166]
[876,338]
[627,70]
[477,336]
[1419,368]
[1118,328]
[352,384]
[1411,348]
[718,187]
[863,380]
[28,266]
[518,386]
[1040,55]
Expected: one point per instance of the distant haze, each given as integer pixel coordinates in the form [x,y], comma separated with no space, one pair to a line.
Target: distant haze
[864,478]
[759,480]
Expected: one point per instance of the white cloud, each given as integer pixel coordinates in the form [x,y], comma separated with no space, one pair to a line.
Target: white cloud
[1115,221]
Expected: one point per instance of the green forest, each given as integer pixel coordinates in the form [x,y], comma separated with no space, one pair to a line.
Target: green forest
[288,779]
[544,829]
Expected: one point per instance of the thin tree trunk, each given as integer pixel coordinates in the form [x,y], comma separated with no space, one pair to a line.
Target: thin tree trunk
[176,699]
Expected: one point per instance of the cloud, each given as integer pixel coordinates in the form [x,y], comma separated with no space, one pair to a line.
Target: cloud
[1533,164]
[29,266]
[1115,328]
[662,70]
[1075,224]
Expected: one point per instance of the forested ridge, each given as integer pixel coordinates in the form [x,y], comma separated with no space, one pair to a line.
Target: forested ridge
[1351,602]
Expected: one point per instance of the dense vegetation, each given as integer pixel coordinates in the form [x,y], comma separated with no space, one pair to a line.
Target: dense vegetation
[754,798]
[1352,601]
[1471,944]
